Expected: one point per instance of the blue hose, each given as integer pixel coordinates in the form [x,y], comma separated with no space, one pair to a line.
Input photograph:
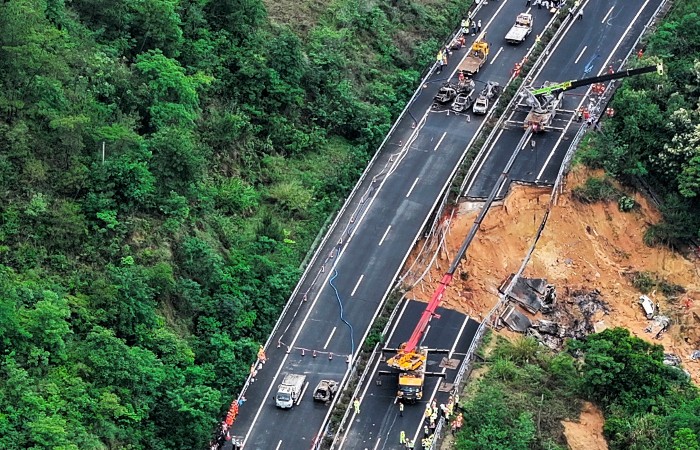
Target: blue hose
[340,303]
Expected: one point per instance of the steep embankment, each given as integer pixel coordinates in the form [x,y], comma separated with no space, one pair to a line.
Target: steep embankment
[583,246]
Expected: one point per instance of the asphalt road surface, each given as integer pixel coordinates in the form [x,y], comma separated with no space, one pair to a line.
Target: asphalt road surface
[379,423]
[601,38]
[368,246]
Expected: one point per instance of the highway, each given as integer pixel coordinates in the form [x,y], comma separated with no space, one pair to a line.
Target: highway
[379,423]
[589,46]
[620,23]
[367,246]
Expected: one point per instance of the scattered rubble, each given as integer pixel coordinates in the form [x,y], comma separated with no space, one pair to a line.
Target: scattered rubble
[672,360]
[576,317]
[658,325]
[570,257]
[515,319]
[534,294]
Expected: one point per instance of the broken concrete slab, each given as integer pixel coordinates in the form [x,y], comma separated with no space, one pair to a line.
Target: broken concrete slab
[515,319]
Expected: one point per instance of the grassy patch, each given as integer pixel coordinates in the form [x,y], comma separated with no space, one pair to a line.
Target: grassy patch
[646,282]
[522,398]
[596,190]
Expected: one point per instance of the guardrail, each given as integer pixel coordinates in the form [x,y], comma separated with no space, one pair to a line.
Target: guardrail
[483,148]
[481,330]
[351,197]
[514,99]
[494,313]
[360,382]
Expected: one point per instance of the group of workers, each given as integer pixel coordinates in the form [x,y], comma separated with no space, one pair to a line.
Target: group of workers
[548,4]
[431,417]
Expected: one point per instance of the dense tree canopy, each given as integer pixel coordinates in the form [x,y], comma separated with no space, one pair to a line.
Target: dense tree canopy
[527,391]
[654,138]
[164,167]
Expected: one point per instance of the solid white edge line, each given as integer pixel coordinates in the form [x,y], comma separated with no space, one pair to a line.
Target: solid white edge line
[374,372]
[279,444]
[328,341]
[483,161]
[384,236]
[377,444]
[603,66]
[357,285]
[444,369]
[291,344]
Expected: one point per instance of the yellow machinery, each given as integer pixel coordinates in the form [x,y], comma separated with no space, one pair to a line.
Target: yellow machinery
[410,359]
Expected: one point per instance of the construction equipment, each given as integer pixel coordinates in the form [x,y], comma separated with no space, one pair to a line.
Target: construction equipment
[478,54]
[411,381]
[491,90]
[545,100]
[325,390]
[289,391]
[521,29]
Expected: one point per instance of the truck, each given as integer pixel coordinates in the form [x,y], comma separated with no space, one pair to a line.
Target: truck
[289,391]
[478,54]
[491,90]
[411,381]
[325,390]
[521,29]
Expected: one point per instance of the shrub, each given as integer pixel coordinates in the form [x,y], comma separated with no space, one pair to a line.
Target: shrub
[626,204]
[595,190]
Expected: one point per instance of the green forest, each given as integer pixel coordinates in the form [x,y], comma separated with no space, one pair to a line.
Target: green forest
[527,391]
[165,166]
[652,142]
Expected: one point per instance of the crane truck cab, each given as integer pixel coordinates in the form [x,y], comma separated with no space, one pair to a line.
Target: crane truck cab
[411,375]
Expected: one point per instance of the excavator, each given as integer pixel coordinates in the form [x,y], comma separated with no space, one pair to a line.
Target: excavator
[545,100]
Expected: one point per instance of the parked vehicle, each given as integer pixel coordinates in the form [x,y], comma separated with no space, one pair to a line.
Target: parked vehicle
[521,29]
[325,390]
[289,391]
[478,54]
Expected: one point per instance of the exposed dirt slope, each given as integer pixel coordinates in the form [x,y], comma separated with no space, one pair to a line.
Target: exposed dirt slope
[583,246]
[587,433]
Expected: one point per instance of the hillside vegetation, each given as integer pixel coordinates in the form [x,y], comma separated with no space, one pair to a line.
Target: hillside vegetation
[527,391]
[653,141]
[164,168]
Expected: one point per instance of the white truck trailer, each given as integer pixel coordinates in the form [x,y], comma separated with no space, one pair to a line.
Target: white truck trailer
[521,29]
[289,391]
